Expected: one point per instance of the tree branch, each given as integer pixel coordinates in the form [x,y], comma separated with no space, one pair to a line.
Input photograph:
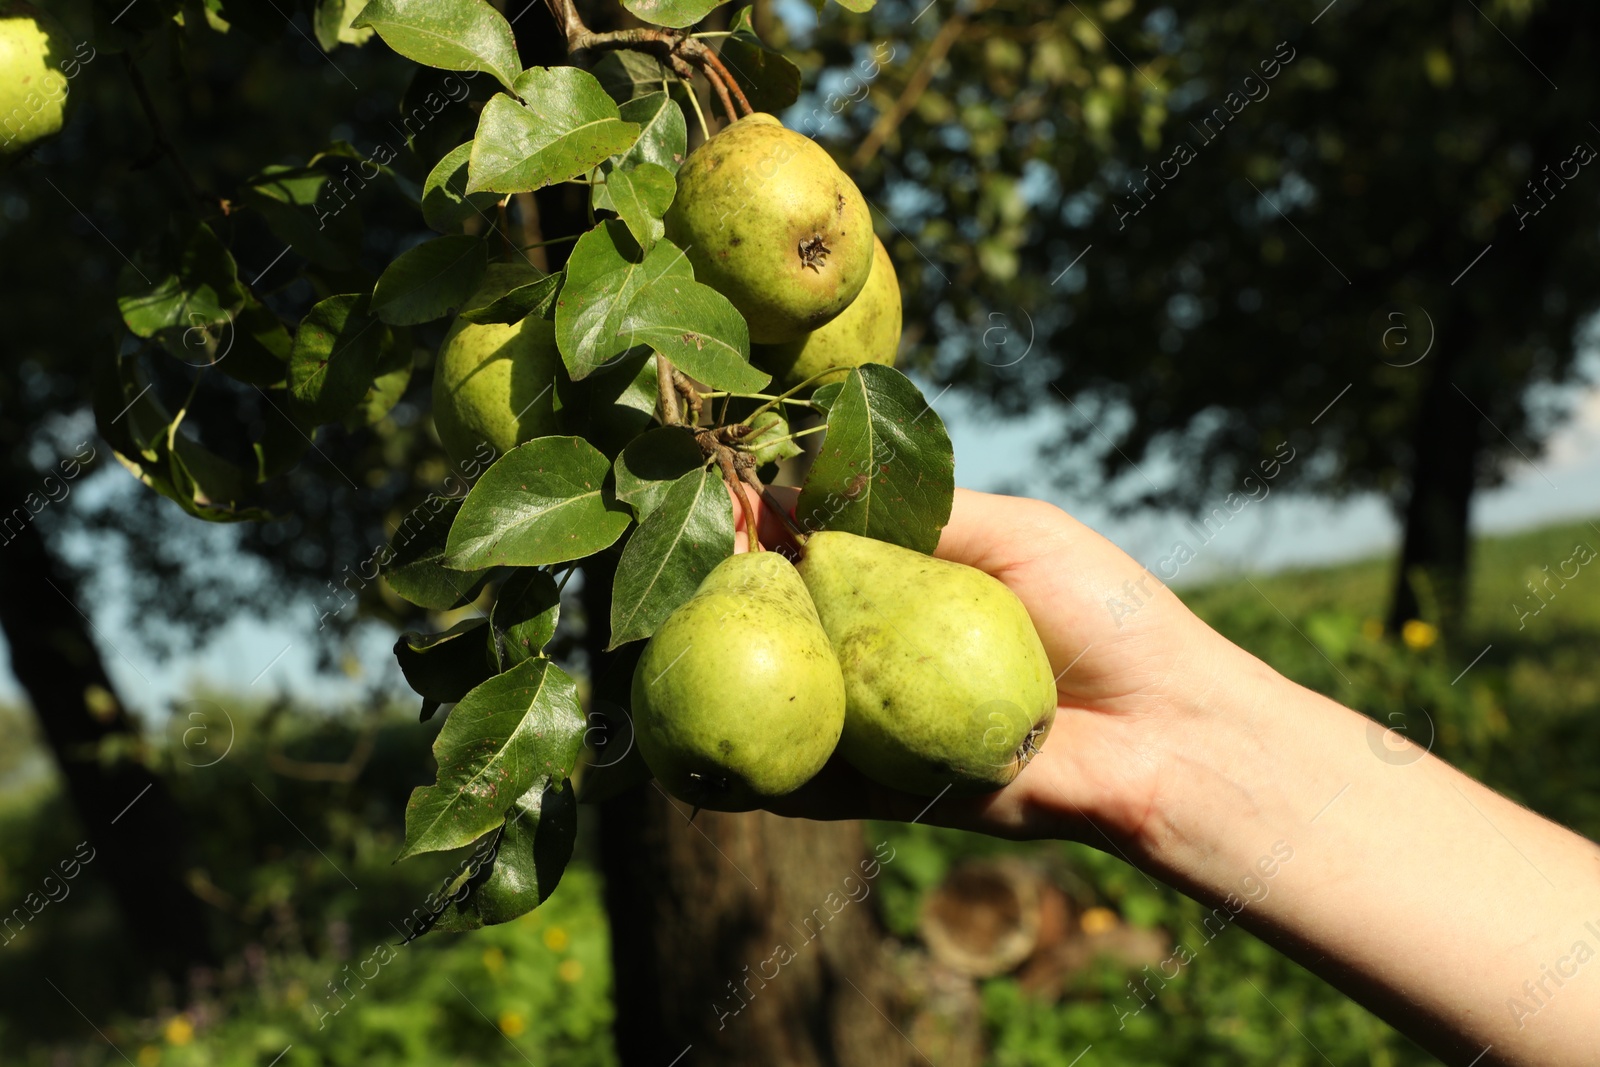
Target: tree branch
[159,132]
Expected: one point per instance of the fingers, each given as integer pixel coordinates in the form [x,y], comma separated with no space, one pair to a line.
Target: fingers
[769,524]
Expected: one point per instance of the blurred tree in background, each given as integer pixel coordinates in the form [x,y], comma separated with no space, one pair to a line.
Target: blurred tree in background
[1263,206]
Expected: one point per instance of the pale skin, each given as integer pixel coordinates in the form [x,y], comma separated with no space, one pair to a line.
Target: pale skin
[1427,897]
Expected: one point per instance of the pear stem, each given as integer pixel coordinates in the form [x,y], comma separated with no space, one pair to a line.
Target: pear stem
[790,437]
[789,524]
[790,392]
[694,100]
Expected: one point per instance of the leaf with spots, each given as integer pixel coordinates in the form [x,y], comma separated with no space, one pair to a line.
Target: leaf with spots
[886,469]
[515,732]
[567,125]
[543,502]
[617,297]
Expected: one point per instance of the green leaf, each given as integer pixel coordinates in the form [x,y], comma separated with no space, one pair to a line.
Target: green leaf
[763,440]
[543,502]
[626,74]
[523,866]
[306,208]
[524,615]
[257,346]
[535,298]
[663,133]
[651,463]
[445,667]
[429,281]
[517,731]
[449,34]
[768,78]
[567,126]
[331,23]
[672,13]
[616,298]
[690,532]
[612,407]
[640,196]
[663,140]
[197,284]
[886,470]
[391,376]
[445,200]
[413,562]
[825,395]
[335,357]
[858,6]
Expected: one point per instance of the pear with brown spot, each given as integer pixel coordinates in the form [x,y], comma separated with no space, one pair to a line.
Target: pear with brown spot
[769,220]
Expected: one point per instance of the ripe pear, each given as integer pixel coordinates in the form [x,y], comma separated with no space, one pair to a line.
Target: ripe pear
[494,383]
[737,698]
[868,331]
[769,220]
[947,684]
[33,88]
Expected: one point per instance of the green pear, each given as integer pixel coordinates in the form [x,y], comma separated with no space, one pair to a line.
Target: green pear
[947,684]
[494,383]
[769,220]
[868,331]
[737,697]
[33,88]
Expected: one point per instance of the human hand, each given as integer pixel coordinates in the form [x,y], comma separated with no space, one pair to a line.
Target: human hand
[1134,670]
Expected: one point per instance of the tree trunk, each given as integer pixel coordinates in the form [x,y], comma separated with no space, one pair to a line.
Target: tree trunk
[1431,578]
[131,822]
[749,938]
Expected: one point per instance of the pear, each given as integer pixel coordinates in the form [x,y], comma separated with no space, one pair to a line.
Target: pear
[868,331]
[947,684]
[494,383]
[769,220]
[33,88]
[737,697]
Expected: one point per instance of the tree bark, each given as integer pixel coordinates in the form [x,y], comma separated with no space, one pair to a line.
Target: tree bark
[1447,440]
[736,935]
[130,819]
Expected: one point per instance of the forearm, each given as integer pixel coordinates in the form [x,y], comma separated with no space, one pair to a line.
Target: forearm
[1467,921]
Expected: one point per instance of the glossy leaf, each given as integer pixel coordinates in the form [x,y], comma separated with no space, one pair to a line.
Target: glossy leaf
[886,469]
[449,34]
[640,196]
[517,731]
[525,614]
[663,140]
[429,281]
[391,375]
[445,667]
[651,463]
[523,865]
[446,204]
[331,24]
[625,75]
[565,126]
[335,357]
[673,13]
[413,563]
[543,502]
[536,298]
[616,298]
[690,532]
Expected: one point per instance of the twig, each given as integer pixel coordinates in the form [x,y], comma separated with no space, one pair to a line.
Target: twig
[159,132]
[715,81]
[667,393]
[711,61]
